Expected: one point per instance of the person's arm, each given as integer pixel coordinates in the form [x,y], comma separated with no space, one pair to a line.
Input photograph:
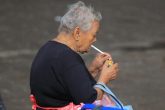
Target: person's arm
[107,74]
[99,93]
[79,85]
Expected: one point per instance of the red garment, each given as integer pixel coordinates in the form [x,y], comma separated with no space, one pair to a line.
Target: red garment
[71,106]
[105,101]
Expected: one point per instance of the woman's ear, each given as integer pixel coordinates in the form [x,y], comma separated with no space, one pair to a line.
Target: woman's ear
[76,33]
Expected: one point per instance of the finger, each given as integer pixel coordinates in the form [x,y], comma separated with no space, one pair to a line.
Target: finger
[105,64]
[98,54]
[100,68]
[107,54]
[106,58]
[104,54]
[115,65]
[115,76]
[117,70]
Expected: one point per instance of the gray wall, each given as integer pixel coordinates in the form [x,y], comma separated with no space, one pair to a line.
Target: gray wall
[133,31]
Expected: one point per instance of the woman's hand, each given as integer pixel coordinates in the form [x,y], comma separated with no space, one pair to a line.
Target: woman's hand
[108,72]
[98,62]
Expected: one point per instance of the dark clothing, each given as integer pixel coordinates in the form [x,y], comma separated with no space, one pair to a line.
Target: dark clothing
[59,76]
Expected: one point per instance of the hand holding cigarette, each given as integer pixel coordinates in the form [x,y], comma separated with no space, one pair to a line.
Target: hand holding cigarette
[109,61]
[107,73]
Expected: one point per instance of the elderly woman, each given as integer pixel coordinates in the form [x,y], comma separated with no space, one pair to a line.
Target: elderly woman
[59,75]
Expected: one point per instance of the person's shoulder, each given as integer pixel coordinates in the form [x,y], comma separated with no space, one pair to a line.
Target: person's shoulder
[60,52]
[55,48]
[68,53]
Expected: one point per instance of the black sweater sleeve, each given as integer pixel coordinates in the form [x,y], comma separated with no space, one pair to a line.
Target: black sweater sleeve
[79,85]
[77,79]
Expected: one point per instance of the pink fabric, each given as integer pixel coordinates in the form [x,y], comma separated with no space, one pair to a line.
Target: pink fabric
[71,106]
[105,101]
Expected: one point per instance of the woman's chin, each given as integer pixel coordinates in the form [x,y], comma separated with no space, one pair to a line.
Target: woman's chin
[84,51]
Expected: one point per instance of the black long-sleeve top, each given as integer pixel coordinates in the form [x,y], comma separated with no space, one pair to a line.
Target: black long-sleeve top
[59,76]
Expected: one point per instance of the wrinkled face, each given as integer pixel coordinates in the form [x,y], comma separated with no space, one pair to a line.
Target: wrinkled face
[86,39]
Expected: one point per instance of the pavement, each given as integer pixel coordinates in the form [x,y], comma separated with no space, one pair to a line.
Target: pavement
[131,30]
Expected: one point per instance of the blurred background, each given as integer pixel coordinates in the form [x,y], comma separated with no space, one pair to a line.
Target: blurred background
[133,31]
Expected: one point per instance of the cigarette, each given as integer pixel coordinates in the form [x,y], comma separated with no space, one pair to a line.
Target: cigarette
[97,49]
[110,62]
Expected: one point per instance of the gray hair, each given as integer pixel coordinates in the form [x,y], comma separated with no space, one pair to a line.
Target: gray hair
[80,15]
